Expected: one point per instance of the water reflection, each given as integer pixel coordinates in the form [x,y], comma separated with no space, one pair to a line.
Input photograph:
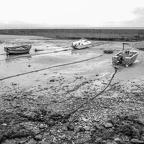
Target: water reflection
[80,52]
[13,57]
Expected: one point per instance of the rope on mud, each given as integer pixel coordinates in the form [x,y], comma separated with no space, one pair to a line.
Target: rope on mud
[36,54]
[56,51]
[65,64]
[50,121]
[95,95]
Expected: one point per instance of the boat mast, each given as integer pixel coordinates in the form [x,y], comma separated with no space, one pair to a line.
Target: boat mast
[124,44]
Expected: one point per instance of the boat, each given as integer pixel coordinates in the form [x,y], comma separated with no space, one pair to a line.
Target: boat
[125,57]
[23,49]
[81,44]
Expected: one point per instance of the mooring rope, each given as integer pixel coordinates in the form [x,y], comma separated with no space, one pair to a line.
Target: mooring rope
[65,64]
[74,111]
[55,51]
[35,54]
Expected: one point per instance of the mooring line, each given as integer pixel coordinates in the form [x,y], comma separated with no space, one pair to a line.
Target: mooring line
[74,111]
[35,54]
[65,64]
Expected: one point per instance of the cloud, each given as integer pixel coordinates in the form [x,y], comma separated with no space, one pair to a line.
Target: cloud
[25,25]
[138,20]
[139,12]
[19,25]
[110,20]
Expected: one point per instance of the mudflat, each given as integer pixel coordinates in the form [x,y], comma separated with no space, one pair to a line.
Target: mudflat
[52,94]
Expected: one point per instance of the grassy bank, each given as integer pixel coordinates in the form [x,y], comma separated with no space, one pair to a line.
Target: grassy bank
[95,34]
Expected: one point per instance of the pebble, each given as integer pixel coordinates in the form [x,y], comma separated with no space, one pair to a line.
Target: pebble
[52,80]
[38,137]
[42,126]
[111,142]
[70,128]
[80,129]
[14,84]
[117,139]
[32,142]
[84,119]
[108,125]
[136,141]
[87,128]
[30,114]
[4,124]
[44,143]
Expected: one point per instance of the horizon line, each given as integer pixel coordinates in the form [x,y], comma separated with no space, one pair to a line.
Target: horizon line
[72,28]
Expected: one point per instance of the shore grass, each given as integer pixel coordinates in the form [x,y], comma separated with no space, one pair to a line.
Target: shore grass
[93,34]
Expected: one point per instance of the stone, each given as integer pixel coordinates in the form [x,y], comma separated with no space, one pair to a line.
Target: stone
[87,128]
[42,126]
[38,137]
[70,128]
[110,142]
[44,142]
[52,80]
[80,129]
[84,119]
[136,141]
[30,114]
[4,124]
[108,125]
[32,142]
[117,139]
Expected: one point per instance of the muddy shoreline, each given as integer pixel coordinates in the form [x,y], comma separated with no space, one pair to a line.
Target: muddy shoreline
[36,107]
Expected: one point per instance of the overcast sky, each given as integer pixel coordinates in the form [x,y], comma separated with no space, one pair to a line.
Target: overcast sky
[71,13]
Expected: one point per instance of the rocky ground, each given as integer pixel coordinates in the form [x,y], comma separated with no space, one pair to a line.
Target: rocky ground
[65,104]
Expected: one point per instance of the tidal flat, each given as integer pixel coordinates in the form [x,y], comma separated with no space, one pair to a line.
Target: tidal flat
[52,95]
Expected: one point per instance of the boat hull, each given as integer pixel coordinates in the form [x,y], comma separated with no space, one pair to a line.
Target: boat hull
[82,46]
[125,60]
[18,50]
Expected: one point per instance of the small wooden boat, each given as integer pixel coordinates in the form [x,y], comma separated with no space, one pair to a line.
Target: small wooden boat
[23,49]
[125,57]
[81,44]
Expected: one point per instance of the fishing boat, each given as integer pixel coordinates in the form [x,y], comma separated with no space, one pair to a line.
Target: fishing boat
[81,44]
[23,49]
[125,57]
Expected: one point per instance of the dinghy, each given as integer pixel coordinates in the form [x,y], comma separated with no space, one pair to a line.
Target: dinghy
[125,57]
[81,44]
[23,49]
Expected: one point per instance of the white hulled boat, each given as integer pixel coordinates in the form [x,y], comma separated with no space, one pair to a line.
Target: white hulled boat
[81,44]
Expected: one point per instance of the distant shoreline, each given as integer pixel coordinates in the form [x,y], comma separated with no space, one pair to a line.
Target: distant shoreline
[76,33]
[70,27]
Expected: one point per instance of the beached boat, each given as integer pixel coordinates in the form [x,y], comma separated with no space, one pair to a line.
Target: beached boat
[125,57]
[81,44]
[23,49]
